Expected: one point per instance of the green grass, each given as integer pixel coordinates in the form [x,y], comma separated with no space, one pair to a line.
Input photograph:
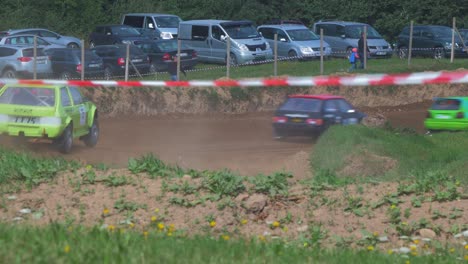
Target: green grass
[312,68]
[57,244]
[442,154]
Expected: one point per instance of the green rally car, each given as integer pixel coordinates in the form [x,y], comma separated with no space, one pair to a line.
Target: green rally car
[448,113]
[56,112]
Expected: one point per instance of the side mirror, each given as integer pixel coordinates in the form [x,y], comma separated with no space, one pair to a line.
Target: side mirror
[283,40]
[223,38]
[150,25]
[108,33]
[343,36]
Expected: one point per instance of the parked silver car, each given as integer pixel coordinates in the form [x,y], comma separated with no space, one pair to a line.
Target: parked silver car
[28,40]
[50,36]
[18,61]
[294,40]
[342,36]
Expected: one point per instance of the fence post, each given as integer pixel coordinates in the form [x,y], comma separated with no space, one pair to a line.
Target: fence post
[275,50]
[365,47]
[452,50]
[127,58]
[410,48]
[228,56]
[178,58]
[83,63]
[321,51]
[35,58]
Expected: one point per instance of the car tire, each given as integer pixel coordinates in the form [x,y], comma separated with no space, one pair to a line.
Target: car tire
[65,142]
[10,74]
[108,73]
[233,59]
[91,44]
[439,53]
[73,45]
[92,137]
[292,55]
[403,52]
[65,75]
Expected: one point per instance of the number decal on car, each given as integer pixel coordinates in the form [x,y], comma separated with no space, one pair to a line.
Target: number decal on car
[83,115]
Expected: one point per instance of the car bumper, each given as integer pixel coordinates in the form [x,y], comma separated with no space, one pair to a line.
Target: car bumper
[296,129]
[31,131]
[446,125]
[250,56]
[381,53]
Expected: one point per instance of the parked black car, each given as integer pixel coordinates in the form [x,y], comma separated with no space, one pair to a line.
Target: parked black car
[115,34]
[310,115]
[114,60]
[163,52]
[432,41]
[66,63]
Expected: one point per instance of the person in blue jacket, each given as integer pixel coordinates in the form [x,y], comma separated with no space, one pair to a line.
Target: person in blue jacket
[353,57]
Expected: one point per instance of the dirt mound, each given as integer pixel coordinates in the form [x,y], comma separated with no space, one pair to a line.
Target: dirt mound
[365,163]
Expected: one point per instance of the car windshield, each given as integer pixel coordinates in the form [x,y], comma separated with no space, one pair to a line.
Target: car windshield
[302,35]
[241,31]
[125,31]
[355,32]
[29,96]
[167,21]
[446,104]
[302,104]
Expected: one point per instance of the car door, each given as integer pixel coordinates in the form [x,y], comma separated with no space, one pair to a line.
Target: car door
[49,36]
[218,46]
[66,102]
[79,113]
[200,42]
[268,35]
[418,42]
[331,113]
[284,43]
[349,115]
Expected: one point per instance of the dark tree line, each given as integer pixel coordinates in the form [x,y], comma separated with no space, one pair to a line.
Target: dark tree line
[78,17]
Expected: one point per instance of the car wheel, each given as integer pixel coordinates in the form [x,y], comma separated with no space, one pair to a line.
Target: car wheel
[92,137]
[73,45]
[107,73]
[91,44]
[439,53]
[65,75]
[233,59]
[9,74]
[403,52]
[65,142]
[292,55]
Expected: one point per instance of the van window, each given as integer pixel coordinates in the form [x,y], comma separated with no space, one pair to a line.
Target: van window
[328,29]
[354,32]
[167,21]
[281,34]
[199,32]
[149,23]
[134,21]
[240,31]
[267,33]
[216,32]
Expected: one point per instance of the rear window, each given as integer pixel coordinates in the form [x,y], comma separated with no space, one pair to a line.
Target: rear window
[30,52]
[302,104]
[29,96]
[446,104]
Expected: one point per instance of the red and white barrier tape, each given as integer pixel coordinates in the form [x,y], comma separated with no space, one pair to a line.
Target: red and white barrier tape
[354,80]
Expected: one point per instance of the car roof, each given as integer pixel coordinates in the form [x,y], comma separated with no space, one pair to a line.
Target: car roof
[453,97]
[343,23]
[27,29]
[284,26]
[316,96]
[114,25]
[204,21]
[149,14]
[21,46]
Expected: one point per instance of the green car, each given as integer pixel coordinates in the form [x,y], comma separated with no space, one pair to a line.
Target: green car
[448,113]
[56,112]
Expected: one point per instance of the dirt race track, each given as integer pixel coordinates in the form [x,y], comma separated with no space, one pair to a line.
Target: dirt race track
[241,142]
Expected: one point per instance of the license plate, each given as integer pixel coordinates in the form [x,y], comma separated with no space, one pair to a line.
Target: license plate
[259,58]
[93,65]
[296,120]
[381,53]
[183,54]
[24,120]
[137,60]
[442,117]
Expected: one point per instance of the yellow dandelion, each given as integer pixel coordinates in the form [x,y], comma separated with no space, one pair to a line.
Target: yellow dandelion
[413,247]
[408,262]
[66,249]
[404,223]
[457,183]
[171,228]
[156,210]
[375,234]
[244,221]
[451,250]
[393,206]
[390,252]
[285,229]
[111,228]
[89,167]
[145,234]
[131,225]
[105,211]
[466,246]
[466,257]
[212,223]
[276,224]
[169,234]
[226,237]
[306,244]
[370,248]
[154,218]
[161,226]
[414,253]
[261,238]
[416,241]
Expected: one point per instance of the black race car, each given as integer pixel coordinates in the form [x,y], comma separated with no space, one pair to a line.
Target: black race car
[310,115]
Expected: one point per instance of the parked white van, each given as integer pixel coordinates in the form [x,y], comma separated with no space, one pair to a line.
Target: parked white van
[208,38]
[161,26]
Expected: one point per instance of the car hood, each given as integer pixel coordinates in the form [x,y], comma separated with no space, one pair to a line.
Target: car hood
[311,43]
[170,30]
[252,41]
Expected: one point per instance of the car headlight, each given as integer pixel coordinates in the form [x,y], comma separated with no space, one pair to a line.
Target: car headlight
[166,35]
[267,45]
[448,45]
[126,42]
[242,47]
[50,120]
[306,50]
